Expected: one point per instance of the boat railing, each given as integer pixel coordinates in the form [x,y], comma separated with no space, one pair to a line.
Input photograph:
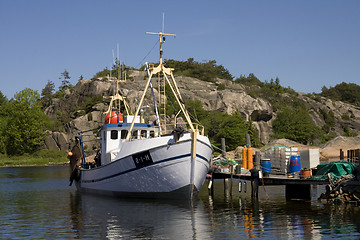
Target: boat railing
[171,126]
[199,128]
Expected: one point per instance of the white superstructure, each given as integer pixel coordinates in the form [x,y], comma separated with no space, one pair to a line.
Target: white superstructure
[144,160]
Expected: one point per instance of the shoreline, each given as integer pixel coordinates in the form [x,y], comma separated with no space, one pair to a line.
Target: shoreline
[50,164]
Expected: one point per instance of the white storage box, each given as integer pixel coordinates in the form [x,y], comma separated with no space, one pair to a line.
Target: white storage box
[309,158]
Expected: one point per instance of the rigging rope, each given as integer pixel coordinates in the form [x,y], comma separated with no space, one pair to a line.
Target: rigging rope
[140,63]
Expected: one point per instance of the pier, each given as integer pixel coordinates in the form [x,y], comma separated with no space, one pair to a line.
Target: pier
[298,182]
[295,188]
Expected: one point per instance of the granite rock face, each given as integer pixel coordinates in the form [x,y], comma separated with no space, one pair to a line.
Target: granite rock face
[345,115]
[230,99]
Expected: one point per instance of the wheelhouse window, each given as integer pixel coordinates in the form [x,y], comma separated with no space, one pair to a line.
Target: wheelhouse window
[152,134]
[135,134]
[143,133]
[114,134]
[124,134]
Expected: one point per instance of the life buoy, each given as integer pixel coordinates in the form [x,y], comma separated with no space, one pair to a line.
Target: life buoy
[114,116]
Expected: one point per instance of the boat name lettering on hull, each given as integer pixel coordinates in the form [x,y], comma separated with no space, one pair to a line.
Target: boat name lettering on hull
[141,159]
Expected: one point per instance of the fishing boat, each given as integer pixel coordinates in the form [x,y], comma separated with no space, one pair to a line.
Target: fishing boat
[151,160]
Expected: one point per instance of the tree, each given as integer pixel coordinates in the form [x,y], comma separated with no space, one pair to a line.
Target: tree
[206,71]
[346,92]
[46,93]
[29,98]
[231,127]
[329,119]
[250,80]
[297,125]
[25,123]
[196,110]
[3,99]
[48,89]
[65,83]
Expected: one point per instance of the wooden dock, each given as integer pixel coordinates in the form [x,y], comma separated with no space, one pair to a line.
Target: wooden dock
[295,187]
[273,179]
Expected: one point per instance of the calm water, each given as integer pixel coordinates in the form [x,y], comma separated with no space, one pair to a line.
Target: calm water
[37,203]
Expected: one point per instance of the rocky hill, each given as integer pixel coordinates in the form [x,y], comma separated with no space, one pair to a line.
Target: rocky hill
[233,97]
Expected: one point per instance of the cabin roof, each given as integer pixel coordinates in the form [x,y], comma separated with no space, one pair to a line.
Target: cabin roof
[136,125]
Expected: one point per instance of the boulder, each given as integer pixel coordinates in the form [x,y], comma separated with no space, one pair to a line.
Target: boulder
[50,143]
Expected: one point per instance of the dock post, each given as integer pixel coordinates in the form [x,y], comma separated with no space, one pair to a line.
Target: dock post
[227,189]
[223,148]
[341,154]
[211,187]
[254,183]
[298,191]
[257,160]
[231,181]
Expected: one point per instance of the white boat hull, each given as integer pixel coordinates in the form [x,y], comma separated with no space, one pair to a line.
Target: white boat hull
[154,168]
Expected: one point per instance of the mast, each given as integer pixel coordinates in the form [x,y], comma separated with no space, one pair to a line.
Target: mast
[162,40]
[117,98]
[168,78]
[162,82]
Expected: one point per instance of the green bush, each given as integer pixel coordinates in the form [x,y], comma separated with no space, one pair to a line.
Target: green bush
[206,71]
[345,92]
[345,117]
[89,102]
[297,125]
[221,87]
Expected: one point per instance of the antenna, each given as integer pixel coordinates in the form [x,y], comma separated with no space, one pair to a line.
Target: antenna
[118,61]
[163,23]
[117,46]
[161,40]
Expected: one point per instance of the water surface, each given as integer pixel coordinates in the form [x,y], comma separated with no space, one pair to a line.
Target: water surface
[37,203]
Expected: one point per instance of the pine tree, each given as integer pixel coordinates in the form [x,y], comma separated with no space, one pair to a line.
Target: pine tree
[46,93]
[65,83]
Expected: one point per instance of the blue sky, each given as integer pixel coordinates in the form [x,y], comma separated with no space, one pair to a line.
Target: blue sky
[307,44]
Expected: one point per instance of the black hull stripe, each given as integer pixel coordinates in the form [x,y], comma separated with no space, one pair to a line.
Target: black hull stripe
[164,146]
[144,166]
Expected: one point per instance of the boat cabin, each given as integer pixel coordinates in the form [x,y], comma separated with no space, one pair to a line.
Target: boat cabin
[114,135]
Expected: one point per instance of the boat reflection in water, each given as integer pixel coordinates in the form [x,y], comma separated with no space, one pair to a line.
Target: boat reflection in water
[217,217]
[36,203]
[103,217]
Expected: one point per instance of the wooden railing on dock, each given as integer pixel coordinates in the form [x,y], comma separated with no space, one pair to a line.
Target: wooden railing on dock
[353,156]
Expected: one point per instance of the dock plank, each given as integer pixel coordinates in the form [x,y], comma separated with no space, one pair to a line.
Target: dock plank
[273,179]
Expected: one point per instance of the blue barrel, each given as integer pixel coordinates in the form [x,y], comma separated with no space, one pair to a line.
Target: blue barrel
[266,165]
[294,164]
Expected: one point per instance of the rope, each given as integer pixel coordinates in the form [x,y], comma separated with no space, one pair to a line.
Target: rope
[267,195]
[147,54]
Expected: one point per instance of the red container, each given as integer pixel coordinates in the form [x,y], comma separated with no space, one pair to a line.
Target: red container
[305,173]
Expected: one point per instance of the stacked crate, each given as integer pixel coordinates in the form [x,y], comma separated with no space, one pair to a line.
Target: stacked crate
[279,157]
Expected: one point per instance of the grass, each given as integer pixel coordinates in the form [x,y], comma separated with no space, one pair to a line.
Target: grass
[40,158]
